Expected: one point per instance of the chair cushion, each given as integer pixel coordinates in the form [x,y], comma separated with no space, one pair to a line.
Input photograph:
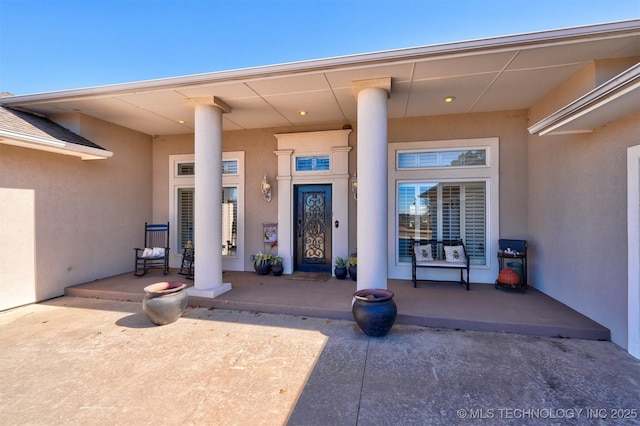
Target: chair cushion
[454,254]
[153,253]
[423,253]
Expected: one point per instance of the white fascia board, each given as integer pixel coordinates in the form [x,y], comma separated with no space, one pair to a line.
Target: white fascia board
[623,84]
[54,145]
[613,29]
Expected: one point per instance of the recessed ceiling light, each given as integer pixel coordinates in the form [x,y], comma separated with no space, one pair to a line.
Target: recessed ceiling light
[302,112]
[449,99]
[181,121]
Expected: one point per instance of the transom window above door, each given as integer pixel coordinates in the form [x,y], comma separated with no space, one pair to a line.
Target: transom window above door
[312,164]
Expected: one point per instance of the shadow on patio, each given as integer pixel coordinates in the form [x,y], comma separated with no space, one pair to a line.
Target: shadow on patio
[434,305]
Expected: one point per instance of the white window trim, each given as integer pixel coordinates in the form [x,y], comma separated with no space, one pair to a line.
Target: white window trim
[230,263]
[490,173]
[447,149]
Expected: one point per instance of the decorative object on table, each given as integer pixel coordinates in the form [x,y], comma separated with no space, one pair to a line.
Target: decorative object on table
[276,266]
[514,254]
[340,270]
[353,267]
[165,302]
[517,267]
[262,263]
[374,310]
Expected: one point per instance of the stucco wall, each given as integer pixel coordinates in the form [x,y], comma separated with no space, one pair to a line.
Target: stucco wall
[259,146]
[510,128]
[87,215]
[577,217]
[577,206]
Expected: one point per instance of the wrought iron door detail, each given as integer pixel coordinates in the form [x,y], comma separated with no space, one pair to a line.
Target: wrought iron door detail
[313,210]
[313,226]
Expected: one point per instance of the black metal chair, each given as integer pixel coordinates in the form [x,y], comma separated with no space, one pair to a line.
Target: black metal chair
[155,254]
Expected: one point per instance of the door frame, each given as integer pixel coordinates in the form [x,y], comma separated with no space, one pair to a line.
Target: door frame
[328,222]
[335,145]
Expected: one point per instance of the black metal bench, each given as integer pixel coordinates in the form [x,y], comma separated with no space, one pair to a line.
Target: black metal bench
[420,250]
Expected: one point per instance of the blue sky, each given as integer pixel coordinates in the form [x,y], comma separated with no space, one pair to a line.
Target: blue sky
[50,45]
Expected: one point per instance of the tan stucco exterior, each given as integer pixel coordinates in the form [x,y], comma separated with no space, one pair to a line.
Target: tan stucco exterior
[86,215]
[74,221]
[577,208]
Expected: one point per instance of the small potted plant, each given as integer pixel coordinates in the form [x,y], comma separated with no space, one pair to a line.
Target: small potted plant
[353,267]
[340,270]
[262,263]
[276,266]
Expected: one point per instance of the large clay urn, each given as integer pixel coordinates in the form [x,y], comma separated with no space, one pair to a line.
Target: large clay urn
[374,311]
[165,302]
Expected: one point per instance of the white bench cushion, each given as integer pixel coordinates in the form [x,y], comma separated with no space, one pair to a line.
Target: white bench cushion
[441,263]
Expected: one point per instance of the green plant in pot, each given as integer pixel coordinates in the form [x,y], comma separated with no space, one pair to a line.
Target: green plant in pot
[353,267]
[262,263]
[340,270]
[276,266]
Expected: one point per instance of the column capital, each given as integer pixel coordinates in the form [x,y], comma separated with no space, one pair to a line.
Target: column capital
[383,83]
[209,100]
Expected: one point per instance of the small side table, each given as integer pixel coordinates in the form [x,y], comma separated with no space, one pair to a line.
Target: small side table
[514,254]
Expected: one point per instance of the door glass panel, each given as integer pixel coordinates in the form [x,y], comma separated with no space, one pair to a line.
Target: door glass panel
[313,228]
[229,220]
[185,216]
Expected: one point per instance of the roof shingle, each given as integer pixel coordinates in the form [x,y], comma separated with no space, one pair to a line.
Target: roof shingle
[35,126]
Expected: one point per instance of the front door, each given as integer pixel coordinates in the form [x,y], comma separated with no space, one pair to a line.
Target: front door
[312,213]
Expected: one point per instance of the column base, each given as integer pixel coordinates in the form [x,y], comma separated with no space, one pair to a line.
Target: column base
[210,293]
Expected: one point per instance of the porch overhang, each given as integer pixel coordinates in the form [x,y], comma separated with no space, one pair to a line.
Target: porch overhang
[614,99]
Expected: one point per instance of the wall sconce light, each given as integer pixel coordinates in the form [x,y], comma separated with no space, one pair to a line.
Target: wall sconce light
[354,186]
[265,187]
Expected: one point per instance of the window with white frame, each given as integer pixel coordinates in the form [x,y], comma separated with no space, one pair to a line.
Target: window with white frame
[183,203]
[445,190]
[443,211]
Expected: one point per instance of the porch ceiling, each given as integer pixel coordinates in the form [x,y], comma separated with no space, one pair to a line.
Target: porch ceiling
[504,73]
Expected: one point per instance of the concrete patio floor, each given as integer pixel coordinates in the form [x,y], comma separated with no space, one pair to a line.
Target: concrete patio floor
[435,305]
[84,361]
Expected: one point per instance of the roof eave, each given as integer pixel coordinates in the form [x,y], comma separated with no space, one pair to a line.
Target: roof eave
[625,84]
[53,145]
[600,30]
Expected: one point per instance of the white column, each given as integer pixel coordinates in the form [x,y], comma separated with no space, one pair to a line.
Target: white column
[208,203]
[372,184]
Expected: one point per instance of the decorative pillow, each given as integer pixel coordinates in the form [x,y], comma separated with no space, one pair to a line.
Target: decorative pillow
[454,254]
[147,253]
[423,252]
[153,253]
